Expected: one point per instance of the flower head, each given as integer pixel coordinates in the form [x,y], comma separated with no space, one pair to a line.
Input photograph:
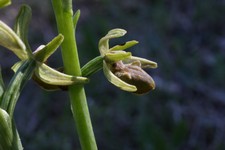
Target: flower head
[16,41]
[122,69]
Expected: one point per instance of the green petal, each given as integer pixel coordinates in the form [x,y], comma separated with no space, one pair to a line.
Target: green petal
[116,81]
[115,56]
[6,134]
[145,63]
[4,3]
[11,41]
[43,53]
[104,42]
[124,46]
[54,77]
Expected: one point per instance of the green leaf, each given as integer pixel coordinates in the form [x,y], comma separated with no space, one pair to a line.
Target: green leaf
[12,92]
[21,26]
[6,134]
[4,3]
[117,81]
[11,41]
[44,53]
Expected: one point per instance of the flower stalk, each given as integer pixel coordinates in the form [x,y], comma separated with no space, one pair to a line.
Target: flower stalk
[64,18]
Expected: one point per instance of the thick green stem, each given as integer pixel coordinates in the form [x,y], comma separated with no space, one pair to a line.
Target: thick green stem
[64,17]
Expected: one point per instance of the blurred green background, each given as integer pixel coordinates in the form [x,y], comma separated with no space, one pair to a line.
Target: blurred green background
[185,111]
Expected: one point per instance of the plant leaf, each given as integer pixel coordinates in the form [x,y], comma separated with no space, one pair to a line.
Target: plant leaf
[12,92]
[21,25]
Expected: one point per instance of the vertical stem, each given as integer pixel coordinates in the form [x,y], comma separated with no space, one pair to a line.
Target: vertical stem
[64,17]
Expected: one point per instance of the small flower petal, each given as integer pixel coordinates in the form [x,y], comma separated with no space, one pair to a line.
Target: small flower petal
[115,56]
[124,46]
[145,63]
[104,42]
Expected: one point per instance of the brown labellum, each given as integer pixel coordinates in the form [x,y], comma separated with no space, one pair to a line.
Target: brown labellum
[133,74]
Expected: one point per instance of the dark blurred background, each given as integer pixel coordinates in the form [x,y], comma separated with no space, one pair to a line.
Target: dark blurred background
[185,111]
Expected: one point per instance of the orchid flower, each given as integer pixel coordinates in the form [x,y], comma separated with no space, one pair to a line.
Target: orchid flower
[45,76]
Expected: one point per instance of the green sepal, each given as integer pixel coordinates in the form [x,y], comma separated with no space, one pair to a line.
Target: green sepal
[43,53]
[104,42]
[54,77]
[115,56]
[124,46]
[117,81]
[4,3]
[10,40]
[21,26]
[6,134]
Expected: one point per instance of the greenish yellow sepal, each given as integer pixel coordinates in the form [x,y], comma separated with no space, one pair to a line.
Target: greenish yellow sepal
[44,52]
[4,3]
[11,41]
[54,77]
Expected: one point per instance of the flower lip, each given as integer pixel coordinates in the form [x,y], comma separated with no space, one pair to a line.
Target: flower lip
[133,74]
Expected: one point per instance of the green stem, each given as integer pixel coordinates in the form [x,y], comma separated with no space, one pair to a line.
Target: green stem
[64,17]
